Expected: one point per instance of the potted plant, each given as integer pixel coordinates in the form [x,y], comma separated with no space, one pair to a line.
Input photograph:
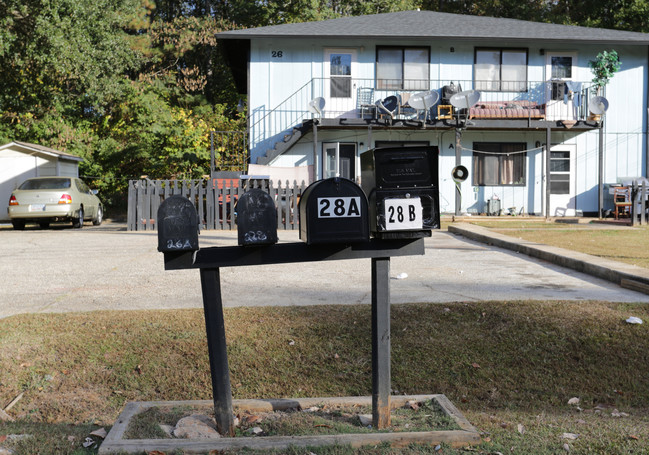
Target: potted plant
[605,65]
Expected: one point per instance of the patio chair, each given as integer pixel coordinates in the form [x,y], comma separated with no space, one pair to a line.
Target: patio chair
[365,102]
[622,201]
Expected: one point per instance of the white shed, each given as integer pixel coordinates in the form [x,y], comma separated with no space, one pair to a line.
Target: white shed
[20,161]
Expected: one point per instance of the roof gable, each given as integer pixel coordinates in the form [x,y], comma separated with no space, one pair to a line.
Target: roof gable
[416,25]
[26,147]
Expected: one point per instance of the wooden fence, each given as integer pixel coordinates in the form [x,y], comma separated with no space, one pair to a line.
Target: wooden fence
[214,200]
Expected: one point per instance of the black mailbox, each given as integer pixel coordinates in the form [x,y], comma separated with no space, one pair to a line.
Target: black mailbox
[256,218]
[177,225]
[333,210]
[403,191]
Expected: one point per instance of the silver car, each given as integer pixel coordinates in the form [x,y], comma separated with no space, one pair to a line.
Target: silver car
[46,199]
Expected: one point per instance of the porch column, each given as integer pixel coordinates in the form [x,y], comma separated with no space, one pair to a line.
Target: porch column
[600,182]
[315,151]
[548,146]
[458,161]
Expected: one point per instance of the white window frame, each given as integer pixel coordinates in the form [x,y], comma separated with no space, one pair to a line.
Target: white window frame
[496,76]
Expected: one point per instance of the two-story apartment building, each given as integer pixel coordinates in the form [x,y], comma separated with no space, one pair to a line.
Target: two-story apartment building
[530,140]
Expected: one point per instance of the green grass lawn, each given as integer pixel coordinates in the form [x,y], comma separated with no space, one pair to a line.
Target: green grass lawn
[625,244]
[510,367]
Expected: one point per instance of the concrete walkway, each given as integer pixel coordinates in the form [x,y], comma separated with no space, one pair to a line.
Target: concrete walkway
[108,268]
[620,273]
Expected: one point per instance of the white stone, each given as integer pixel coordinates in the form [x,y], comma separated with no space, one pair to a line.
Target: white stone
[196,427]
[366,419]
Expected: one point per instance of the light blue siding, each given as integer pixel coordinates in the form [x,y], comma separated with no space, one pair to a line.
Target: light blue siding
[285,83]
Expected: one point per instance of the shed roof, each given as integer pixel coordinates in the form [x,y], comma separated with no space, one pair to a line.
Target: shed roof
[415,25]
[31,148]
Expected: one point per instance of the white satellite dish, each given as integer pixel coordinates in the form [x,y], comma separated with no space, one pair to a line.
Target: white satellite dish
[316,105]
[598,105]
[466,99]
[423,101]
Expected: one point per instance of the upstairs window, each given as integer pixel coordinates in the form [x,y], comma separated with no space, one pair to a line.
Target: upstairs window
[500,70]
[340,72]
[498,164]
[402,68]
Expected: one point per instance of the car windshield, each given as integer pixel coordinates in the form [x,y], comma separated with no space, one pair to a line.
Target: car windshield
[46,184]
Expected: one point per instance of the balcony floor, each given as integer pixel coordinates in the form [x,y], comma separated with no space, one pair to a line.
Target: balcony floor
[475,124]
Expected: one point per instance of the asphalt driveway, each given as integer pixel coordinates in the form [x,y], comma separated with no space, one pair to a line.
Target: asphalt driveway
[108,268]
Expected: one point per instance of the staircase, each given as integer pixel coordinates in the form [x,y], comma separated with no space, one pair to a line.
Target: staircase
[287,142]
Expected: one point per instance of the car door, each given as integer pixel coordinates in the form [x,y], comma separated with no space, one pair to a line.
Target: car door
[89,206]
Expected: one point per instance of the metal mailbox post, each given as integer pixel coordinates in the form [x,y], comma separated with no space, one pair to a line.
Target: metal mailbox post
[210,260]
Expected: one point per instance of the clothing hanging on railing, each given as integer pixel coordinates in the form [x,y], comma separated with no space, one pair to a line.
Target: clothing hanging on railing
[572,92]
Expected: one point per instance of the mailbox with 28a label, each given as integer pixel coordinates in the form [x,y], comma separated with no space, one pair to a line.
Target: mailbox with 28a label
[333,210]
[402,185]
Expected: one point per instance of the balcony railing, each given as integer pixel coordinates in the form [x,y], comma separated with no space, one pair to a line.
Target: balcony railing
[353,99]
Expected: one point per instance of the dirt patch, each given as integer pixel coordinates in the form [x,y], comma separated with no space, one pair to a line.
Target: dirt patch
[321,419]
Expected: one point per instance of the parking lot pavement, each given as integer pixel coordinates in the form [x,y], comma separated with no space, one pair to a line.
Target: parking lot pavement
[108,268]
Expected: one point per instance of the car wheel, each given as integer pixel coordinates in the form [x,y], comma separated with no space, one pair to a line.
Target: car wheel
[100,216]
[18,225]
[78,222]
[44,224]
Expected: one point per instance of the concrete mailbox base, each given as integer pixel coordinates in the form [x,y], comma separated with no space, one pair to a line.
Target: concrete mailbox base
[115,441]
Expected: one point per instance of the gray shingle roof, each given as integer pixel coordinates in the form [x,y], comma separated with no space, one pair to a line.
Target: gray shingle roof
[415,25]
[42,148]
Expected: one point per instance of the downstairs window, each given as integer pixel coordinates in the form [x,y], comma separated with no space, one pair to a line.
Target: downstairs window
[498,164]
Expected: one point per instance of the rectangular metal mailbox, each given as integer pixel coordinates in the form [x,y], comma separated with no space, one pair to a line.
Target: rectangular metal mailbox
[402,185]
[333,210]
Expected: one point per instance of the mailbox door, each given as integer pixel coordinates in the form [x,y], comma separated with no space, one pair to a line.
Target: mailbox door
[177,225]
[334,210]
[256,219]
[405,213]
[399,167]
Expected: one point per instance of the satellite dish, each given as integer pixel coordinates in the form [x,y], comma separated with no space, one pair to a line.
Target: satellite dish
[389,105]
[466,99]
[423,101]
[459,174]
[316,105]
[598,105]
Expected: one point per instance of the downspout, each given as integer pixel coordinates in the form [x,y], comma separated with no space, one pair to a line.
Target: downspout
[600,183]
[646,131]
[458,161]
[548,146]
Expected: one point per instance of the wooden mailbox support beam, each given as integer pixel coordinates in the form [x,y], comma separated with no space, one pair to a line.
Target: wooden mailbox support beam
[210,260]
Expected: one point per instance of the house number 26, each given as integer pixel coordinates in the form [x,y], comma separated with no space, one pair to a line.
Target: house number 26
[276,54]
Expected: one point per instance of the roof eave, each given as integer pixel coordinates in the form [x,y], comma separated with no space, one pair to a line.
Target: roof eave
[608,42]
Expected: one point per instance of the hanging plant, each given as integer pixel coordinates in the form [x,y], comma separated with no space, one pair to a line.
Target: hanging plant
[605,65]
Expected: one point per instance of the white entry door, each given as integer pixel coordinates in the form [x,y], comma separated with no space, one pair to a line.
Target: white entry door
[563,197]
[339,85]
[562,102]
[344,166]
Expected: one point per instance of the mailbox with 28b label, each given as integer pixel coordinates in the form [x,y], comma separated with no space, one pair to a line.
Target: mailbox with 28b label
[403,191]
[334,210]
